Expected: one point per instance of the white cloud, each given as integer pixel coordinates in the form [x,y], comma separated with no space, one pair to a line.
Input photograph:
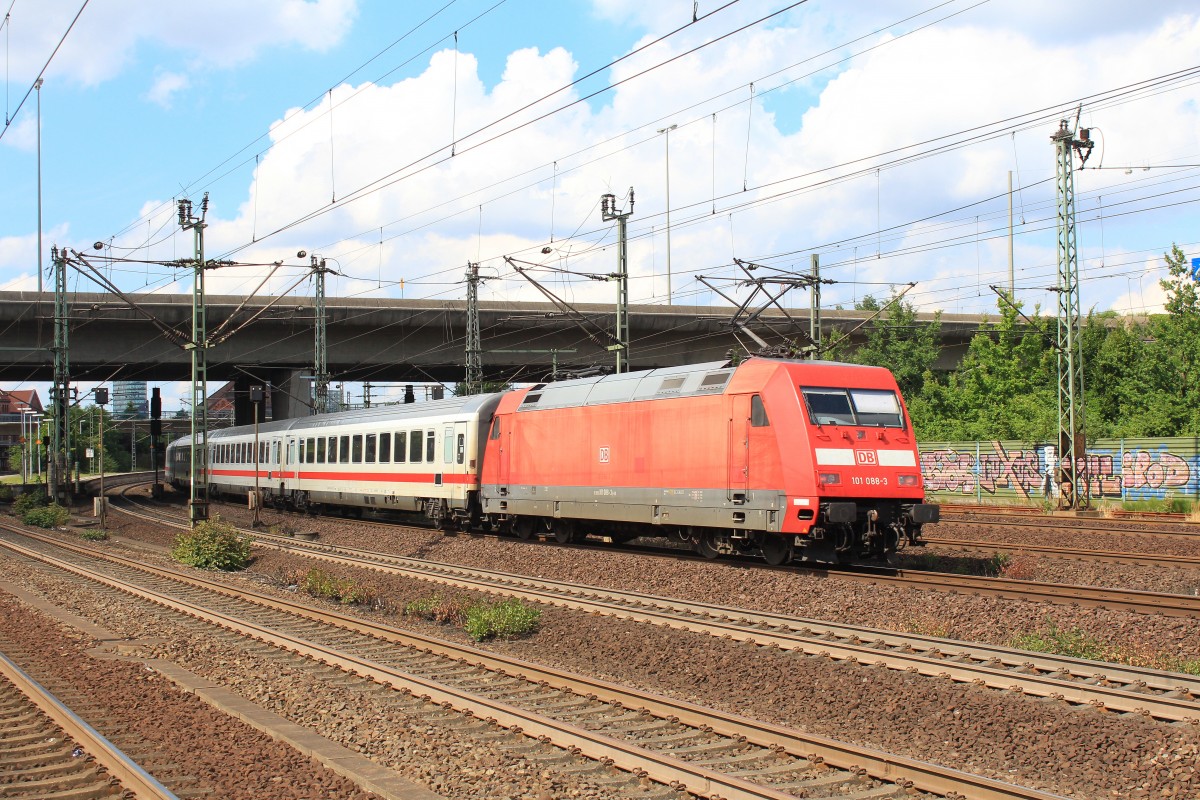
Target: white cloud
[441,211]
[218,33]
[166,84]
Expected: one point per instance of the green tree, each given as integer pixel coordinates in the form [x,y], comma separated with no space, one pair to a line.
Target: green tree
[895,340]
[1175,353]
[1004,388]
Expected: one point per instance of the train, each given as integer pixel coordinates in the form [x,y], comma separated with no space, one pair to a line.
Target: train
[783,459]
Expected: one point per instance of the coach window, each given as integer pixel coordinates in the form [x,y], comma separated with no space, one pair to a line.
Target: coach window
[303,451]
[275,453]
[320,450]
[358,448]
[758,414]
[414,447]
[462,447]
[370,449]
[430,450]
[312,451]
[385,448]
[332,450]
[344,450]
[448,445]
[401,446]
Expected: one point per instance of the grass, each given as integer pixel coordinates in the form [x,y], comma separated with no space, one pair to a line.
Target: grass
[1078,643]
[503,619]
[95,535]
[319,583]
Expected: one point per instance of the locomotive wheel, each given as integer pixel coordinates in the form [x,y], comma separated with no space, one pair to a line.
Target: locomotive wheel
[564,531]
[523,528]
[706,545]
[776,550]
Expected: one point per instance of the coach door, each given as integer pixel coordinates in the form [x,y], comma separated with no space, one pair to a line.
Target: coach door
[500,433]
[462,462]
[739,449]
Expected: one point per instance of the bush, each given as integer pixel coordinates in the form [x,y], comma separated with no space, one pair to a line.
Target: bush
[505,619]
[51,516]
[95,535]
[29,501]
[213,544]
[6,493]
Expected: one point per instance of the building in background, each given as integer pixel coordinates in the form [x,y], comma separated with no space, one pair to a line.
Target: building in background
[20,410]
[129,400]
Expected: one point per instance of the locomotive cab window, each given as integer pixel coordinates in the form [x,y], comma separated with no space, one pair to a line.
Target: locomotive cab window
[867,407]
[758,413]
[495,434]
[878,408]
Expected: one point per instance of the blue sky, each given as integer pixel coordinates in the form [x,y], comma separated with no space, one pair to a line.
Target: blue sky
[146,103]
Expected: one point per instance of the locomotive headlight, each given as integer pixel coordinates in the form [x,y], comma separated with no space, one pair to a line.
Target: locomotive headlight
[907,480]
[830,478]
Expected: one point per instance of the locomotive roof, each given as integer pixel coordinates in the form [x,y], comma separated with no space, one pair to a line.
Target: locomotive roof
[685,381]
[692,379]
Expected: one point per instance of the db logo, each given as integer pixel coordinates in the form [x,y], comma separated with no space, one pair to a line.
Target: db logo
[603,455]
[865,457]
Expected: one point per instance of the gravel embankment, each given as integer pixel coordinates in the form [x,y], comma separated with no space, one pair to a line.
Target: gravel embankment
[1074,752]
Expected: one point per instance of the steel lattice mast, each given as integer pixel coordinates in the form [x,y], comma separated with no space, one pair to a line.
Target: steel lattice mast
[474,376]
[198,499]
[609,212]
[1072,474]
[320,343]
[60,441]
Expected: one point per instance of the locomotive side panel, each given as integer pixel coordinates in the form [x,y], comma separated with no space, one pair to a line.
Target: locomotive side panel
[669,461]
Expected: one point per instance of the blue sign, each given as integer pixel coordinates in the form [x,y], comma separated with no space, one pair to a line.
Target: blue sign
[1196,269]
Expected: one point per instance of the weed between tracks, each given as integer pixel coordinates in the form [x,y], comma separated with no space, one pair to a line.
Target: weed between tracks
[1077,643]
[503,619]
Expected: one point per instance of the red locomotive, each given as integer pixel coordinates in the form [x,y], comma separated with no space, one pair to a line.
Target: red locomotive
[781,458]
[787,459]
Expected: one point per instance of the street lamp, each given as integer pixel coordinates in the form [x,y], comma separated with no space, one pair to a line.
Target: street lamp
[667,138]
[27,421]
[38,85]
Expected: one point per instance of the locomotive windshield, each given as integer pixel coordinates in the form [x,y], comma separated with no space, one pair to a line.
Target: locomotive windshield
[865,407]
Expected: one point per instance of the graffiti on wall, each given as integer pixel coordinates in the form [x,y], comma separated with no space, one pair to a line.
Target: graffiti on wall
[992,468]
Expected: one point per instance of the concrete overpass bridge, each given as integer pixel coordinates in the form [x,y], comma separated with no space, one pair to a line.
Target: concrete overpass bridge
[377,340]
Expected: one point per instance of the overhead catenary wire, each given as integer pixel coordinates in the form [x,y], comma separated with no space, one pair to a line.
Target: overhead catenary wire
[41,73]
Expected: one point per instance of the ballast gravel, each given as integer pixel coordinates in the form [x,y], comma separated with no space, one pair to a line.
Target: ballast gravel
[1069,751]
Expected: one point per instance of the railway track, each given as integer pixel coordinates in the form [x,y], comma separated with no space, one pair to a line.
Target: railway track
[681,746]
[1143,602]
[1073,553]
[965,509]
[1181,529]
[47,750]
[1152,693]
